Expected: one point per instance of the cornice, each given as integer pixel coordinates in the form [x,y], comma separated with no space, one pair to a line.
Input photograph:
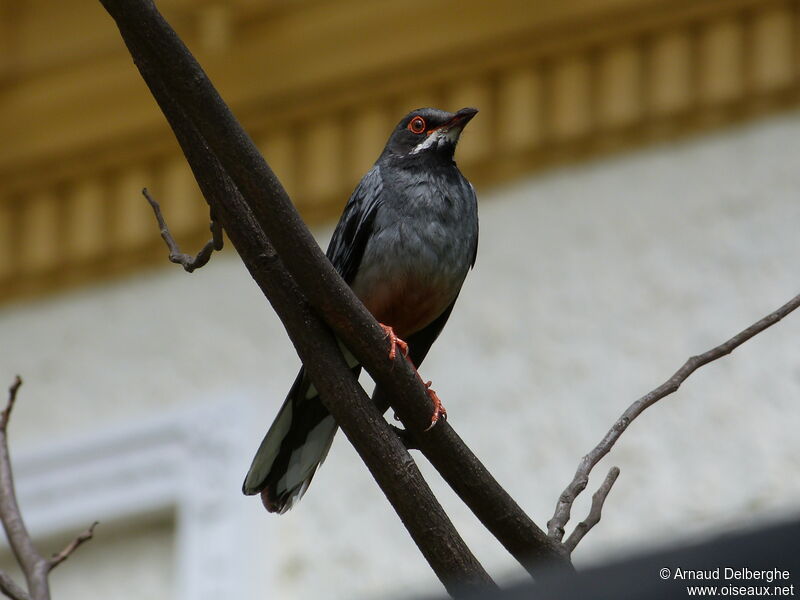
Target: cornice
[557,82]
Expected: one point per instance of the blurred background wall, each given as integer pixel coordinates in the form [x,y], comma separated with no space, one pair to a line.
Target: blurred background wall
[636,163]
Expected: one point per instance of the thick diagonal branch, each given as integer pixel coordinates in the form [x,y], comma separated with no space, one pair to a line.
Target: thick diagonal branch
[148,35]
[578,484]
[487,499]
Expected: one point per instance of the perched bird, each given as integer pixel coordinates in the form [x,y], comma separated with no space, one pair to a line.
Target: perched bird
[404,244]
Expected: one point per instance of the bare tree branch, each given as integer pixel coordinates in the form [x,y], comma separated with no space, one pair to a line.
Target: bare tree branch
[578,484]
[188,262]
[34,566]
[7,499]
[484,495]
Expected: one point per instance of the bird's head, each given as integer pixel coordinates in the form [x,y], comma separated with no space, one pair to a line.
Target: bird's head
[429,132]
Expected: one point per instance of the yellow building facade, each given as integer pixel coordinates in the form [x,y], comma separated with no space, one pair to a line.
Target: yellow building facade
[318,84]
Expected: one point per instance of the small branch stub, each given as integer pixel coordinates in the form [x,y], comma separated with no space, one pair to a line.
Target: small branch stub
[187,261]
[57,559]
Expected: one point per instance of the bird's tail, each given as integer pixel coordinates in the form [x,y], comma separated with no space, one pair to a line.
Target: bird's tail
[294,447]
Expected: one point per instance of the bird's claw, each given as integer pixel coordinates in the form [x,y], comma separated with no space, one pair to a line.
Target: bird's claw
[439,411]
[394,342]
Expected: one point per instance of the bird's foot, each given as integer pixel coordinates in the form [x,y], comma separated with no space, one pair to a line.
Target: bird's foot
[439,411]
[394,342]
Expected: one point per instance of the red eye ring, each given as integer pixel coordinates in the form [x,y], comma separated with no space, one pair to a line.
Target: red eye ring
[416,125]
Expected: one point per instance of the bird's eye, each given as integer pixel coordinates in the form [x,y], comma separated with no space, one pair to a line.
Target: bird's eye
[416,125]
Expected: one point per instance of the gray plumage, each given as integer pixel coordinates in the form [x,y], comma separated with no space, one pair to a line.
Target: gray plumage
[405,242]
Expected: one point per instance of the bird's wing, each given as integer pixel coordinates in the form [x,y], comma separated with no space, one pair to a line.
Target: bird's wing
[355,226]
[475,250]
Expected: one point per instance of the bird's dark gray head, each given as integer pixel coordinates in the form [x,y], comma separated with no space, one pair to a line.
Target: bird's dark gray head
[429,132]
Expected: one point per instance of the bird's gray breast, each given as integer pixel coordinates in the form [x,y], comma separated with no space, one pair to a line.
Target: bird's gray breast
[420,250]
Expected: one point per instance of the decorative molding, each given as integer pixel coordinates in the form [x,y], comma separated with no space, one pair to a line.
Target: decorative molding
[187,462]
[562,83]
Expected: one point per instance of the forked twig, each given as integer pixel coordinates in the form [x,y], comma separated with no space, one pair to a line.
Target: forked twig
[34,566]
[593,518]
[187,261]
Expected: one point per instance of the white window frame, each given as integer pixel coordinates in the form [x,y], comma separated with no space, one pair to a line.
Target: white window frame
[190,462]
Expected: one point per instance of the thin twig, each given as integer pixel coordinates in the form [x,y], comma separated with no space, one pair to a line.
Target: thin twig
[578,484]
[598,499]
[189,262]
[57,559]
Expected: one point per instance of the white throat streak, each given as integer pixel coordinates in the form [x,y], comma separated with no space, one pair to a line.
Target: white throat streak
[437,138]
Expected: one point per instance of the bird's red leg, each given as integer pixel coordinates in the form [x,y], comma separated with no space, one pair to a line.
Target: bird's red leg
[438,408]
[394,342]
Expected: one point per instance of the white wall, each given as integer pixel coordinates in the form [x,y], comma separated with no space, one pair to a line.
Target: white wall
[593,284]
